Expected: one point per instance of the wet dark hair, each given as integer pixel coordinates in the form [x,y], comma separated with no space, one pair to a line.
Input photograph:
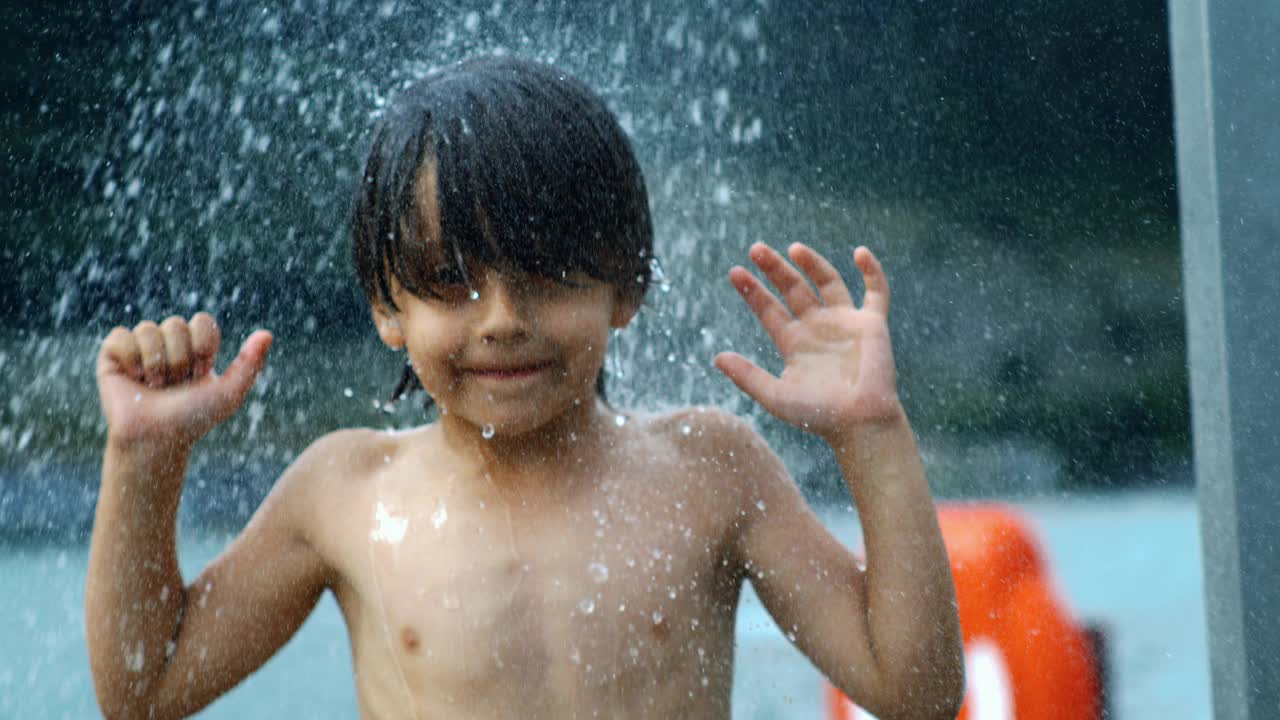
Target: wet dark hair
[533,173]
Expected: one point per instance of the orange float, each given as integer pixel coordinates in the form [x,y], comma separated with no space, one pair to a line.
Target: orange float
[1024,656]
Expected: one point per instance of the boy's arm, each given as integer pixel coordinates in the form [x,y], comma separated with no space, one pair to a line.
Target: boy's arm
[157,648]
[888,635]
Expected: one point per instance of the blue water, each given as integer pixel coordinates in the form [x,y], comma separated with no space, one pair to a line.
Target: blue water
[1130,562]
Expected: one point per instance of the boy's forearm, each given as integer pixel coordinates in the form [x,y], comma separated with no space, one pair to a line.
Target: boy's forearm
[134,592]
[910,593]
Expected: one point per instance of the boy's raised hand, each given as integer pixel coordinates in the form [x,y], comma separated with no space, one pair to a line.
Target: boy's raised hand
[157,384]
[838,369]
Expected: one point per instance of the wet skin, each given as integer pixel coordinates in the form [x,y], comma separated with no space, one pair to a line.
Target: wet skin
[607,585]
[527,555]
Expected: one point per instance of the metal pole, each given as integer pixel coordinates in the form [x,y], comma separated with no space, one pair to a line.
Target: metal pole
[1226,73]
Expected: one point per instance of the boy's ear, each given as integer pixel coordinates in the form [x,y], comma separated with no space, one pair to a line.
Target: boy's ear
[388,326]
[624,308]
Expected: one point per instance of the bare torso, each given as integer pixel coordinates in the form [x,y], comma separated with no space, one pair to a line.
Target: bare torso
[606,590]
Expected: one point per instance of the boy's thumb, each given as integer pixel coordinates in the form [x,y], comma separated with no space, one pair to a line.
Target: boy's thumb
[244,370]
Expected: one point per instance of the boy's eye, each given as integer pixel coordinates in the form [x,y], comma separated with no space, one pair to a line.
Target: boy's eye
[574,280]
[548,285]
[451,285]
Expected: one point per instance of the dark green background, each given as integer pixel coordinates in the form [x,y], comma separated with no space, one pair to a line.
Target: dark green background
[1012,163]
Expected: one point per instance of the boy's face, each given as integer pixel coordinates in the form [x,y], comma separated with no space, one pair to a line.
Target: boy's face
[503,347]
[511,350]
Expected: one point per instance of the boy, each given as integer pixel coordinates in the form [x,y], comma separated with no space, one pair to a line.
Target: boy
[533,552]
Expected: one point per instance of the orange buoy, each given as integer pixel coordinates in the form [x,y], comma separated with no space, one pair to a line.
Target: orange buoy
[1025,658]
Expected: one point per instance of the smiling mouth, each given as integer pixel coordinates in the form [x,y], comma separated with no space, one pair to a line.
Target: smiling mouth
[509,373]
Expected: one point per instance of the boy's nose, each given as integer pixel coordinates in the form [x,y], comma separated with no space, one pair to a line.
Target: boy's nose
[503,311]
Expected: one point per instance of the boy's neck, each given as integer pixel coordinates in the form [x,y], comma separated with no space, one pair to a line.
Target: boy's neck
[581,432]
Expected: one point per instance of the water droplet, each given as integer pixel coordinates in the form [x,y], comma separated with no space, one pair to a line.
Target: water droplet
[575,657]
[599,571]
[760,504]
[685,430]
[586,606]
[620,420]
[672,593]
[136,658]
[348,392]
[705,681]
[475,295]
[388,528]
[657,617]
[440,516]
[487,431]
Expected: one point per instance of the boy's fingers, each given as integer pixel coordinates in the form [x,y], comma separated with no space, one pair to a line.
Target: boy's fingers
[825,277]
[177,348]
[205,340]
[748,376]
[790,283]
[768,309]
[234,384]
[155,370]
[877,297]
[120,353]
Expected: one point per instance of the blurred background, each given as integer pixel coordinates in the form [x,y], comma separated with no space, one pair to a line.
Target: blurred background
[1011,163]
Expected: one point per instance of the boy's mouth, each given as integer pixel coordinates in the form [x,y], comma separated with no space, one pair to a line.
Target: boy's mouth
[508,372]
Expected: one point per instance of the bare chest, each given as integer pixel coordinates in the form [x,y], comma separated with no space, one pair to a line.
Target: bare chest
[622,589]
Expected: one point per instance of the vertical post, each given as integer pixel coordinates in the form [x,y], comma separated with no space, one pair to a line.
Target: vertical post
[1226,72]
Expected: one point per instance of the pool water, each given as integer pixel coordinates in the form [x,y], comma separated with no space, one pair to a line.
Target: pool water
[1129,562]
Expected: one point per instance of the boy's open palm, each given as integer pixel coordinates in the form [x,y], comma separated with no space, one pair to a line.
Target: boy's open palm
[838,364]
[156,382]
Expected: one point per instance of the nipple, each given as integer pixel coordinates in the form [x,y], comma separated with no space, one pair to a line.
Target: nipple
[412,641]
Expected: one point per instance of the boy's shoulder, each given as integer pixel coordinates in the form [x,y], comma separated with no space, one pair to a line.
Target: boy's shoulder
[343,457]
[332,471]
[710,434]
[704,421]
[350,448]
